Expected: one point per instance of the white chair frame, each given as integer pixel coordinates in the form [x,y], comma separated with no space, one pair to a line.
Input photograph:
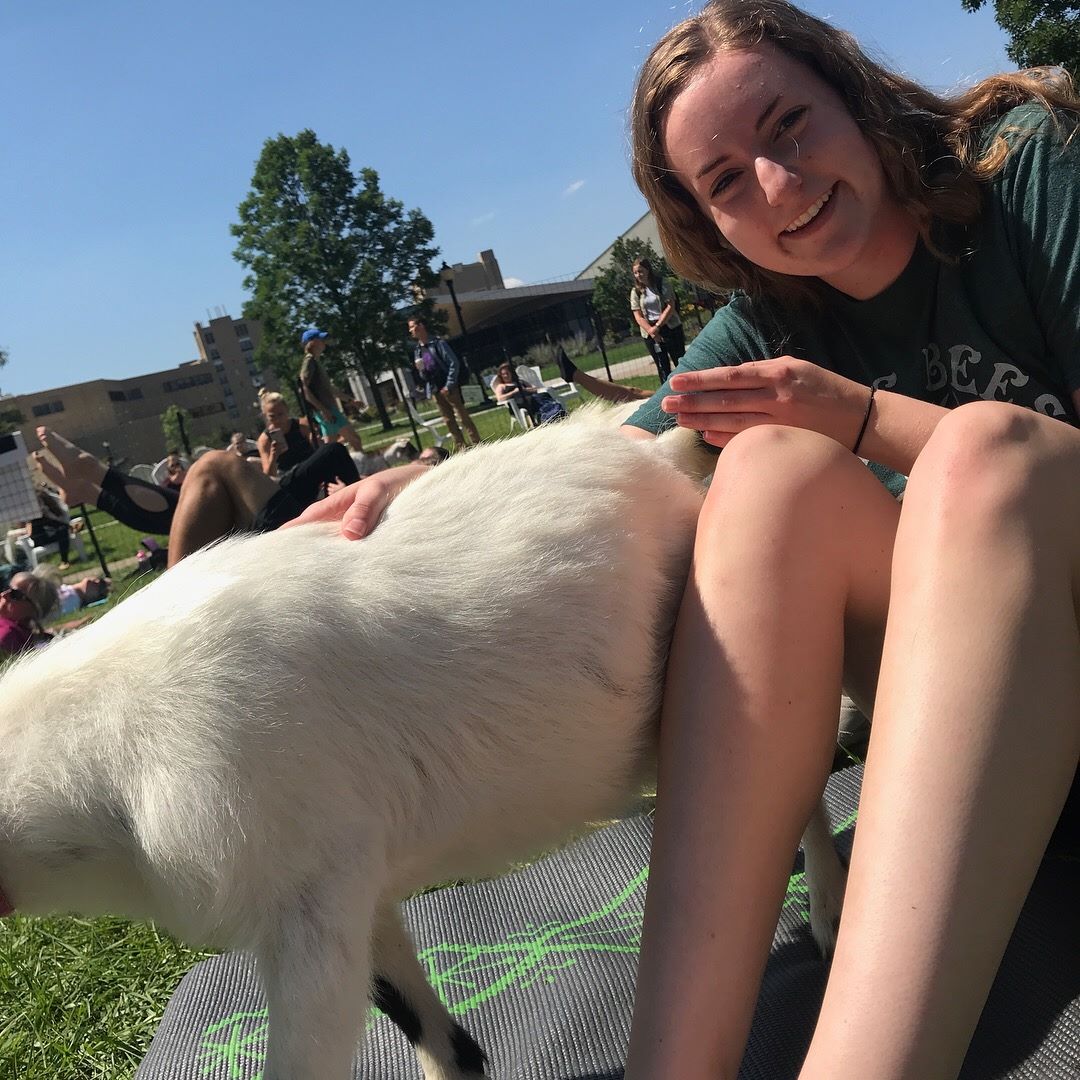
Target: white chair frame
[559,389]
[431,426]
[518,413]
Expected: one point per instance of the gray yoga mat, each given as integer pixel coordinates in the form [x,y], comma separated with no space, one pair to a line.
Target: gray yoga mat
[539,966]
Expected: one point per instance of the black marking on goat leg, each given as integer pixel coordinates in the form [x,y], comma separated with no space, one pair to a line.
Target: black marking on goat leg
[468,1056]
[391,1001]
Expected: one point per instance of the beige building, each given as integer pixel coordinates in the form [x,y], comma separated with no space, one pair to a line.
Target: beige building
[642,229]
[121,418]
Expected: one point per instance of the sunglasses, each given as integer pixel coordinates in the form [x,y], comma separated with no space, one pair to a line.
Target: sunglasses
[18,595]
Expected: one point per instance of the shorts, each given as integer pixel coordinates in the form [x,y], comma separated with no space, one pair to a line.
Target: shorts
[282,507]
[329,428]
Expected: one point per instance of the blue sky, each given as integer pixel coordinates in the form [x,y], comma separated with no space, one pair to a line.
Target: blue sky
[131,131]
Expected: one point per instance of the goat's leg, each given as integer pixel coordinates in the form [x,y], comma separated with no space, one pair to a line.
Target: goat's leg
[445,1049]
[315,967]
[826,877]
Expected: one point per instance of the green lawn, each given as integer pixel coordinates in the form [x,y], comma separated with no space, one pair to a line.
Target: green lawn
[80,999]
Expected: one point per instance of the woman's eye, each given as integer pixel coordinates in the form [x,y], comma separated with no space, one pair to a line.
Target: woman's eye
[723,182]
[790,119]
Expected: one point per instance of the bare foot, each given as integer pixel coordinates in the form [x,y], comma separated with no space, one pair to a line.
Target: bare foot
[72,491]
[75,464]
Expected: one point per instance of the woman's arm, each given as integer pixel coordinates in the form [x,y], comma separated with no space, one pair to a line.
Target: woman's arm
[668,308]
[359,506]
[722,401]
[639,315]
[268,454]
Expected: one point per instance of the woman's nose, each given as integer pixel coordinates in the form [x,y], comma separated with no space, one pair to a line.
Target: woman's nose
[777,180]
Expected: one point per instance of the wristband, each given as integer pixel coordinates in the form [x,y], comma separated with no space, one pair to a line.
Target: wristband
[865,421]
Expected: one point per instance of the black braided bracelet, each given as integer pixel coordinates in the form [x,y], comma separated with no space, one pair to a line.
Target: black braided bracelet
[865,421]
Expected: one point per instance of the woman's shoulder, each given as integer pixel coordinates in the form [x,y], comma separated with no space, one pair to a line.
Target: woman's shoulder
[742,328]
[1031,121]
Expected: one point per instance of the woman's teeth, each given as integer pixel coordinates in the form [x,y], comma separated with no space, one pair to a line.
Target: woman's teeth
[809,215]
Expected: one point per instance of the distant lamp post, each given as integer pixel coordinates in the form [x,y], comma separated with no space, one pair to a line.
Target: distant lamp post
[446,273]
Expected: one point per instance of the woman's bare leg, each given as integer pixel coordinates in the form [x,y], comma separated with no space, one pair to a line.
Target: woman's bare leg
[789,586]
[975,742]
[609,391]
[352,439]
[79,475]
[73,491]
[221,493]
[73,462]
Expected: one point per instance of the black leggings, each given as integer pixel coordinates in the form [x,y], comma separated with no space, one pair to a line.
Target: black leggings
[332,461]
[114,499]
[303,482]
[43,531]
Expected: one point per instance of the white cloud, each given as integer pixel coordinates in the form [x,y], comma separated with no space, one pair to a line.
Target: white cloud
[483,219]
[513,282]
[575,187]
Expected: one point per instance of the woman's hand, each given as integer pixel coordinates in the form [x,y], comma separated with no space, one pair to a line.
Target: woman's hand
[722,401]
[359,506]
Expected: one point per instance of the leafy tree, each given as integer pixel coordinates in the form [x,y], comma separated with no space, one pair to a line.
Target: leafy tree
[174,421]
[326,247]
[1042,31]
[611,289]
[10,417]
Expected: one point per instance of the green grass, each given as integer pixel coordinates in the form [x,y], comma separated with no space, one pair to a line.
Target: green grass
[117,542]
[80,999]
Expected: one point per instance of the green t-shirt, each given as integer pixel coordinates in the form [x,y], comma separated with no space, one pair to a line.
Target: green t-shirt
[1001,324]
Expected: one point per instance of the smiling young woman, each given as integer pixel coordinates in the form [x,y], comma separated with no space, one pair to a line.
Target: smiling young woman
[895,255]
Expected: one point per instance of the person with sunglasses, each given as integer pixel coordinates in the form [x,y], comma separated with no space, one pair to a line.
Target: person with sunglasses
[26,602]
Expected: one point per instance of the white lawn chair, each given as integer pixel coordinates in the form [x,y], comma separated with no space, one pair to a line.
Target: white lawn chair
[431,426]
[34,554]
[559,389]
[518,413]
[160,472]
[142,472]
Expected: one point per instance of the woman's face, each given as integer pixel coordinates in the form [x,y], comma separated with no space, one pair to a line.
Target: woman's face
[18,611]
[773,157]
[505,374]
[641,275]
[276,414]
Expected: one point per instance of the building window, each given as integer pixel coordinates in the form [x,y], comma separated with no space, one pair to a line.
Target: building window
[214,354]
[135,395]
[116,395]
[208,337]
[245,344]
[126,395]
[48,407]
[241,329]
[207,410]
[170,386]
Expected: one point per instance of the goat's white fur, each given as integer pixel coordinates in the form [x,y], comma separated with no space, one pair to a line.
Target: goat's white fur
[272,744]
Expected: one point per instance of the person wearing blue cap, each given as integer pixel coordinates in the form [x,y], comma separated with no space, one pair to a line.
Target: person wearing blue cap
[321,393]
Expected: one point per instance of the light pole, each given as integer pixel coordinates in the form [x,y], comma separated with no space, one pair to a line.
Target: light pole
[447,274]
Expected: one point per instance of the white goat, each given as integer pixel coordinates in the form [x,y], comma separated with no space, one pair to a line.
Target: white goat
[282,736]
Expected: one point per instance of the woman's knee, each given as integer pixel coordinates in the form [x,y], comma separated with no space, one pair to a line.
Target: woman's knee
[783,471]
[991,460]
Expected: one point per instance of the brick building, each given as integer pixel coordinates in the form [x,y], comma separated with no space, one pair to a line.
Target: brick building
[122,417]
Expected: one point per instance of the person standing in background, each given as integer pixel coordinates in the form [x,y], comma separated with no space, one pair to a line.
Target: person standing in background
[438,366]
[321,393]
